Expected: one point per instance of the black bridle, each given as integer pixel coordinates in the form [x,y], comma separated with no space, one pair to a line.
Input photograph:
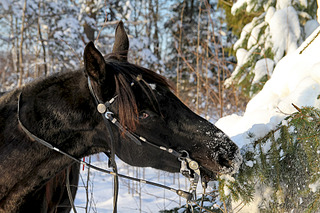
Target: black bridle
[189,167]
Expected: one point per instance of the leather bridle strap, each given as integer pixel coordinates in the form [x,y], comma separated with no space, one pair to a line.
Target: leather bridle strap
[183,156]
[35,138]
[112,156]
[104,109]
[114,167]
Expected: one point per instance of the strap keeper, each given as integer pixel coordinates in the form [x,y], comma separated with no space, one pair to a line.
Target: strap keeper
[143,139]
[163,148]
[114,120]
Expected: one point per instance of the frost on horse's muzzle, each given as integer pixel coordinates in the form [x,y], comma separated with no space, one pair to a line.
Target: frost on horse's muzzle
[231,166]
[223,155]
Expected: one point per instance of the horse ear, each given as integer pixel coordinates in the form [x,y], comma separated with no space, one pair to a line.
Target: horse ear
[121,43]
[94,62]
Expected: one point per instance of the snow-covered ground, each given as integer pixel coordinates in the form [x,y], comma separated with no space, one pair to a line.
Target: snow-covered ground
[133,196]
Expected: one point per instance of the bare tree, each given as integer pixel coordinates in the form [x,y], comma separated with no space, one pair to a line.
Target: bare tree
[21,44]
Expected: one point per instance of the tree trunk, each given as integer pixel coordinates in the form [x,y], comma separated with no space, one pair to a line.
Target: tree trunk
[42,43]
[21,44]
[318,11]
[88,30]
[156,41]
[179,51]
[198,68]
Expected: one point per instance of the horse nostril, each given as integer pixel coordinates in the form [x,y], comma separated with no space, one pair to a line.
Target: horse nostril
[224,162]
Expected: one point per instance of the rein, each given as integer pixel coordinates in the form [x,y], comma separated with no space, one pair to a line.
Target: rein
[189,168]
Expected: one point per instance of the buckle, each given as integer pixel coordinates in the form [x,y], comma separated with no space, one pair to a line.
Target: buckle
[184,169]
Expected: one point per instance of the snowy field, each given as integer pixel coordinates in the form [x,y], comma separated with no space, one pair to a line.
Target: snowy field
[133,196]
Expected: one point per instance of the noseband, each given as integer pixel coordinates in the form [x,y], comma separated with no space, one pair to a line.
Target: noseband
[189,168]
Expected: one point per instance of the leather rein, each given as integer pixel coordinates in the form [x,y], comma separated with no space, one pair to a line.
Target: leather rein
[189,168]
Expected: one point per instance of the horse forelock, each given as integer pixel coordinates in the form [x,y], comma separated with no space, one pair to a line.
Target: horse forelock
[126,74]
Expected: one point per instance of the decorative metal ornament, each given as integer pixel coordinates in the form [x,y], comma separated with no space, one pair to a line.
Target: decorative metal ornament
[101,108]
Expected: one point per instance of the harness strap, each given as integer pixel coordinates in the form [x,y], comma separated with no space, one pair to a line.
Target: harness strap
[69,192]
[113,120]
[105,111]
[33,137]
[107,114]
[101,107]
[114,166]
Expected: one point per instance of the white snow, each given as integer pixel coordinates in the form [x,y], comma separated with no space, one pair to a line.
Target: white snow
[5,4]
[270,13]
[285,30]
[133,196]
[263,67]
[310,26]
[227,179]
[242,57]
[253,39]
[259,197]
[315,186]
[318,11]
[304,3]
[249,163]
[153,86]
[283,4]
[246,29]
[295,80]
[238,4]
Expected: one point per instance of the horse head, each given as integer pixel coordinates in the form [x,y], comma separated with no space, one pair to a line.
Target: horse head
[144,105]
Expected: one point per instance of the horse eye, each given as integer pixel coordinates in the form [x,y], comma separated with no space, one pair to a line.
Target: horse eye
[143,115]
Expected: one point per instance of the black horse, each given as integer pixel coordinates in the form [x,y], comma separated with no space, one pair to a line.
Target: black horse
[62,111]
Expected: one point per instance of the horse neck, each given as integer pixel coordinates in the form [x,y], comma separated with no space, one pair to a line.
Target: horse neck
[60,113]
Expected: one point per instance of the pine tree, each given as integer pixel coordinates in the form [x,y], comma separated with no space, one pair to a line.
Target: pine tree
[280,172]
[282,169]
[277,29]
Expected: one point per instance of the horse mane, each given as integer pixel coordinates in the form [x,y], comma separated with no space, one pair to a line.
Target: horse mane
[126,74]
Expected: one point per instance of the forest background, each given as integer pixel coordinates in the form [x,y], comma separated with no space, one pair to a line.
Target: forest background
[187,41]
